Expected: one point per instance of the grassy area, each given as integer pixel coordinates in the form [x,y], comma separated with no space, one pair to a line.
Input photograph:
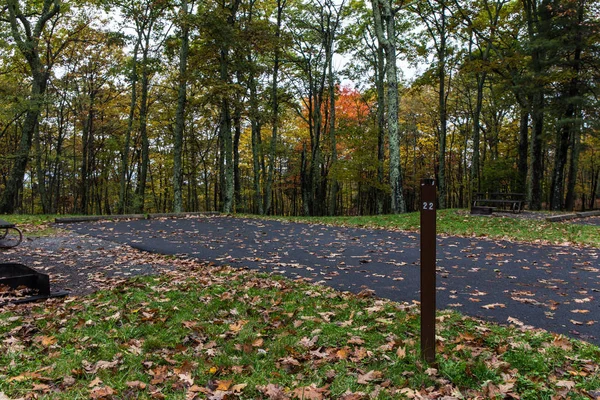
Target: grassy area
[221,333]
[459,222]
[33,225]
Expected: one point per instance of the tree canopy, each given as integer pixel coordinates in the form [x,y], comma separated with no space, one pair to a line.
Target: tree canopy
[314,107]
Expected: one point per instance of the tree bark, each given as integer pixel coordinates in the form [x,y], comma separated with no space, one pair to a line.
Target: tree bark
[28,47]
[385,29]
[180,113]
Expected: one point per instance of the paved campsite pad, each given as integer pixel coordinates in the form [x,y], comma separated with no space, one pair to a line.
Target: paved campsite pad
[82,264]
[552,287]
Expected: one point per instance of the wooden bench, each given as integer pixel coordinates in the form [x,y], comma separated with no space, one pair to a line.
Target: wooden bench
[490,201]
[10,235]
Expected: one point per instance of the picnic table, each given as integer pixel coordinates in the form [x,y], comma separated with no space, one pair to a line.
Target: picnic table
[485,203]
[10,235]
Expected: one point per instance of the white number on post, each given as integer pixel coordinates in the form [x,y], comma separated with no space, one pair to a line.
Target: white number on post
[427,206]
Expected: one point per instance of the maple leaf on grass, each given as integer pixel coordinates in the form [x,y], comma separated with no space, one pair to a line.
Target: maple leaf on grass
[311,392]
[273,392]
[370,376]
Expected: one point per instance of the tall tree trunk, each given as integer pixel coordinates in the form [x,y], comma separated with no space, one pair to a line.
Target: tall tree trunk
[28,46]
[227,189]
[124,169]
[86,143]
[41,173]
[573,169]
[237,184]
[140,198]
[333,170]
[442,192]
[225,134]
[304,183]
[379,82]
[256,148]
[274,109]
[180,113]
[575,123]
[385,29]
[538,18]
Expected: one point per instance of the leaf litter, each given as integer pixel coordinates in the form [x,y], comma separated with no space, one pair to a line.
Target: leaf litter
[204,331]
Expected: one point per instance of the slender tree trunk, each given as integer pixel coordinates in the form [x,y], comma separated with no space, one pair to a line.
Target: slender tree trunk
[333,170]
[256,148]
[86,143]
[41,174]
[140,199]
[573,169]
[180,113]
[379,81]
[304,184]
[237,184]
[442,192]
[274,110]
[123,173]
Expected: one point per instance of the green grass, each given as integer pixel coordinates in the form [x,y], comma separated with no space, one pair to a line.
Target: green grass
[34,225]
[223,332]
[459,222]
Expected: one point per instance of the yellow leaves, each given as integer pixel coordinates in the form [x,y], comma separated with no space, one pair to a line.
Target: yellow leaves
[224,385]
[48,341]
[342,354]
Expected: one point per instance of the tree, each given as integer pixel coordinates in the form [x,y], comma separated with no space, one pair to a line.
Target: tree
[27,34]
[384,14]
[181,102]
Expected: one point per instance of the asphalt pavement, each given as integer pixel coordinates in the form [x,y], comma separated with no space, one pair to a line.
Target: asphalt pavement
[556,288]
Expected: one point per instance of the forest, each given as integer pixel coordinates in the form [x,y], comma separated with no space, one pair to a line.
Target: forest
[296,107]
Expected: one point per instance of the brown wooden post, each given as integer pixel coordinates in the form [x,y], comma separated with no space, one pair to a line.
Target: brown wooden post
[428,253]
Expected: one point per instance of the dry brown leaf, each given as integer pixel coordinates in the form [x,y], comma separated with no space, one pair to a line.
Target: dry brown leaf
[238,388]
[101,392]
[348,395]
[237,327]
[136,385]
[369,377]
[273,392]
[96,382]
[566,384]
[401,352]
[309,393]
